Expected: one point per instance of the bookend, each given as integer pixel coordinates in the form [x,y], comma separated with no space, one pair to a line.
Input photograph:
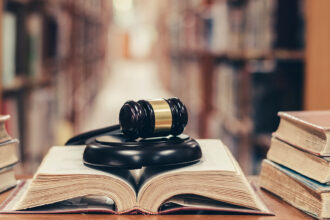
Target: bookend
[110,148]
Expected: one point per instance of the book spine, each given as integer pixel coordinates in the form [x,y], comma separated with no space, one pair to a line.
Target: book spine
[34,36]
[8,48]
[282,185]
[303,162]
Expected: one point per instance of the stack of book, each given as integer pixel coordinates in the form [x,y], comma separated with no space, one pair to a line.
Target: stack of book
[8,156]
[297,167]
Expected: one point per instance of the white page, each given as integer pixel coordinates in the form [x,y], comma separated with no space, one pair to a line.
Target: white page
[68,160]
[215,157]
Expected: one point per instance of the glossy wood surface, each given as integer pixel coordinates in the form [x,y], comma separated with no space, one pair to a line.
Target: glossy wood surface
[281,209]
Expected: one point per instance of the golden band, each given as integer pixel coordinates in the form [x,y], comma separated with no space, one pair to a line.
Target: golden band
[163,115]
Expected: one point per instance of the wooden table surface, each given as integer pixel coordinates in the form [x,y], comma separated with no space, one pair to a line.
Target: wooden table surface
[281,209]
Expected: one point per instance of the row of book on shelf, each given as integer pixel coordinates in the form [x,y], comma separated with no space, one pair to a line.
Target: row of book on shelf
[22,46]
[25,124]
[273,85]
[231,26]
[30,37]
[297,167]
[33,36]
[238,64]
[8,156]
[50,50]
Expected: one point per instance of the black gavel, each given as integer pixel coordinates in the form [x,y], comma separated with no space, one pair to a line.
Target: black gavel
[153,118]
[115,146]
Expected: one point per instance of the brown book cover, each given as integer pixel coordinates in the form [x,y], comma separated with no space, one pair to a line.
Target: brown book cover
[310,165]
[308,130]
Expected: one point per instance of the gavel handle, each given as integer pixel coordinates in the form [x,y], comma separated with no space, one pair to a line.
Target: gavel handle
[81,139]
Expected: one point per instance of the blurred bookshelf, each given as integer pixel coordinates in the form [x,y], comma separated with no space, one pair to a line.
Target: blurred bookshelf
[53,62]
[235,64]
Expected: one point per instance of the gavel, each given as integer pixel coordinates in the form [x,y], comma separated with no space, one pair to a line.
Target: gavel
[153,118]
[148,134]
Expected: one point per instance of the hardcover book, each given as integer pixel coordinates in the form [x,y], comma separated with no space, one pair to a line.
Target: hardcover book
[63,183]
[9,21]
[309,130]
[8,153]
[310,165]
[299,191]
[7,178]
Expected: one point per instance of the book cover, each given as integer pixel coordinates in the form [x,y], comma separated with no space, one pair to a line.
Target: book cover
[308,130]
[303,162]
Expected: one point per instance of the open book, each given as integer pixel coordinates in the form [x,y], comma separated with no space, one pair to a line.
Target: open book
[215,183]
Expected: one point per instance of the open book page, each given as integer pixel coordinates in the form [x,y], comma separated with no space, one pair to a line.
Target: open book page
[63,172]
[76,205]
[200,202]
[215,158]
[217,176]
[68,161]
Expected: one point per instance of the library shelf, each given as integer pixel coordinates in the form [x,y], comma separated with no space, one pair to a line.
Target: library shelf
[240,55]
[24,83]
[60,44]
[241,63]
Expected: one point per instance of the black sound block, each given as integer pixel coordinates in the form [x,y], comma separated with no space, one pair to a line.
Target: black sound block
[114,150]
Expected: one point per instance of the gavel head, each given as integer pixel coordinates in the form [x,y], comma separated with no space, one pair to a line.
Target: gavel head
[153,118]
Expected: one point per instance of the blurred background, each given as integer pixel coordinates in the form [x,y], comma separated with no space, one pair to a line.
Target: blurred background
[67,66]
